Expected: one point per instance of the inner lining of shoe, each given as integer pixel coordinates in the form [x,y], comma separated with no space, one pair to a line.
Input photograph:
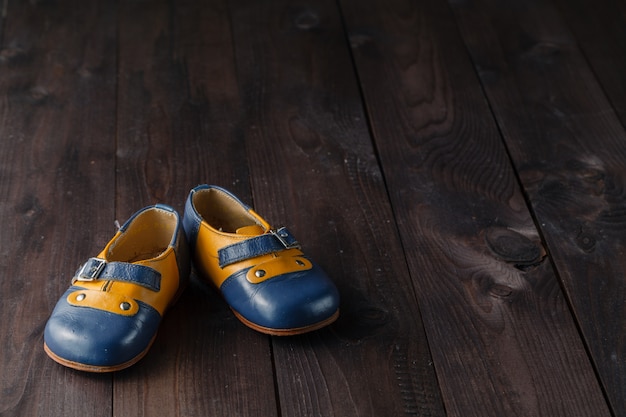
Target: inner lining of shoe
[147,236]
[221,211]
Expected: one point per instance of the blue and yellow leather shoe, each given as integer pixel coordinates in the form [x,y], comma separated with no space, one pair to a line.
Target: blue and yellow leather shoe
[270,285]
[109,317]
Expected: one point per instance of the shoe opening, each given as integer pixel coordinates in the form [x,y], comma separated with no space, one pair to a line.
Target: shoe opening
[221,211]
[147,236]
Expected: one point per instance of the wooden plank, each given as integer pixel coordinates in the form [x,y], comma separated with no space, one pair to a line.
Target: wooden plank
[57,114]
[600,31]
[502,336]
[178,110]
[570,151]
[314,169]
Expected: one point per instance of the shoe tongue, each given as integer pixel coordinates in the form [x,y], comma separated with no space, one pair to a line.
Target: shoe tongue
[250,230]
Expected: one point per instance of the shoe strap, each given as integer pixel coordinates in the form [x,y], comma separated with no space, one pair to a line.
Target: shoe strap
[99,269]
[273,241]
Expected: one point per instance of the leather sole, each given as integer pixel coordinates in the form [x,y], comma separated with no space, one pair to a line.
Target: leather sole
[286,332]
[94,368]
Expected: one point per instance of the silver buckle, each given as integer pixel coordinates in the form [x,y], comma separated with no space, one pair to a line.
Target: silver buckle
[90,270]
[283,235]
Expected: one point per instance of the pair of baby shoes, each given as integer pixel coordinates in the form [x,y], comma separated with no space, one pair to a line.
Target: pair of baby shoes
[108,318]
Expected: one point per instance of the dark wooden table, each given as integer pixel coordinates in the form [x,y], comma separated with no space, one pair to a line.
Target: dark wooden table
[459,168]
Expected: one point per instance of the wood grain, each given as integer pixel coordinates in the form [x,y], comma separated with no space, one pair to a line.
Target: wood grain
[550,107]
[391,137]
[504,341]
[57,186]
[177,128]
[314,169]
[599,28]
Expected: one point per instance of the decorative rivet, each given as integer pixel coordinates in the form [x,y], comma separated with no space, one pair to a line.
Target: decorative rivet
[125,306]
[299,262]
[80,297]
[260,273]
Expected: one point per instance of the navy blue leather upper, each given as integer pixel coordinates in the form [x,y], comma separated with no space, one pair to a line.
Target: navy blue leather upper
[191,221]
[288,301]
[99,338]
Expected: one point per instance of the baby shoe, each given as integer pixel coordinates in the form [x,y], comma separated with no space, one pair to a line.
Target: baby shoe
[109,317]
[261,272]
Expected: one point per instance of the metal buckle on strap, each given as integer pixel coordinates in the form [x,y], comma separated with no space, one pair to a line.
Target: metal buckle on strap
[270,242]
[90,270]
[286,238]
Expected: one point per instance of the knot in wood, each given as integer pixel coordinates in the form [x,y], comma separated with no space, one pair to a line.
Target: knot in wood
[38,93]
[9,53]
[586,242]
[512,247]
[307,20]
[500,291]
[544,51]
[359,39]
